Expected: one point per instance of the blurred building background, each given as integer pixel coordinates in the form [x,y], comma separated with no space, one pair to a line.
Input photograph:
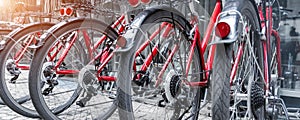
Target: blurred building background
[7,7]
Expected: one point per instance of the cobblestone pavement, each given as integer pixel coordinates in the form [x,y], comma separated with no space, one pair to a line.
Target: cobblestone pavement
[8,114]
[74,112]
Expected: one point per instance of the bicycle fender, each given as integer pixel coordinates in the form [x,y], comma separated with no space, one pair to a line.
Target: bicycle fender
[233,21]
[82,20]
[20,29]
[140,19]
[8,36]
[232,17]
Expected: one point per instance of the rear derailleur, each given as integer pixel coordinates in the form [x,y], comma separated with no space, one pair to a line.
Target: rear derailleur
[14,71]
[51,80]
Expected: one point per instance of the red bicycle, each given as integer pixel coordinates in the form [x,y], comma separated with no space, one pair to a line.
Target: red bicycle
[246,58]
[174,69]
[52,88]
[87,46]
[16,53]
[171,72]
[74,63]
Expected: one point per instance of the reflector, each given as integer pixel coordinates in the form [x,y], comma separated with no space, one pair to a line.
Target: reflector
[146,1]
[69,11]
[133,3]
[222,29]
[66,11]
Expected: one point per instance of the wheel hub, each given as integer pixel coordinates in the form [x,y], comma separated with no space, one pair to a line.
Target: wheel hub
[172,86]
[175,85]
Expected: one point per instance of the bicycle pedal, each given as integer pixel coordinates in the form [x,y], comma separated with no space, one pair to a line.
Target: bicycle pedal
[144,79]
[47,91]
[162,103]
[111,97]
[80,103]
[12,81]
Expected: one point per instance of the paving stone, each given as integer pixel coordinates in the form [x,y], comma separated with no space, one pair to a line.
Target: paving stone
[7,114]
[74,112]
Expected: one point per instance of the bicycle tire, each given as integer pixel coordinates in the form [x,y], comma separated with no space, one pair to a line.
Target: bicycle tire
[224,92]
[4,32]
[13,99]
[126,101]
[43,103]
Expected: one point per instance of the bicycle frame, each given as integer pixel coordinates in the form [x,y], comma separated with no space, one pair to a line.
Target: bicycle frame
[267,23]
[208,65]
[103,56]
[202,46]
[19,55]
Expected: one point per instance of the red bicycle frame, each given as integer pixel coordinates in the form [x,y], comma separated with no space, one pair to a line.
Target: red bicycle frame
[103,56]
[267,23]
[202,46]
[20,53]
[106,56]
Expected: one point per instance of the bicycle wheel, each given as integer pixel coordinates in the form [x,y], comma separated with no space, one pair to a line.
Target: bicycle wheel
[238,74]
[67,68]
[15,57]
[164,67]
